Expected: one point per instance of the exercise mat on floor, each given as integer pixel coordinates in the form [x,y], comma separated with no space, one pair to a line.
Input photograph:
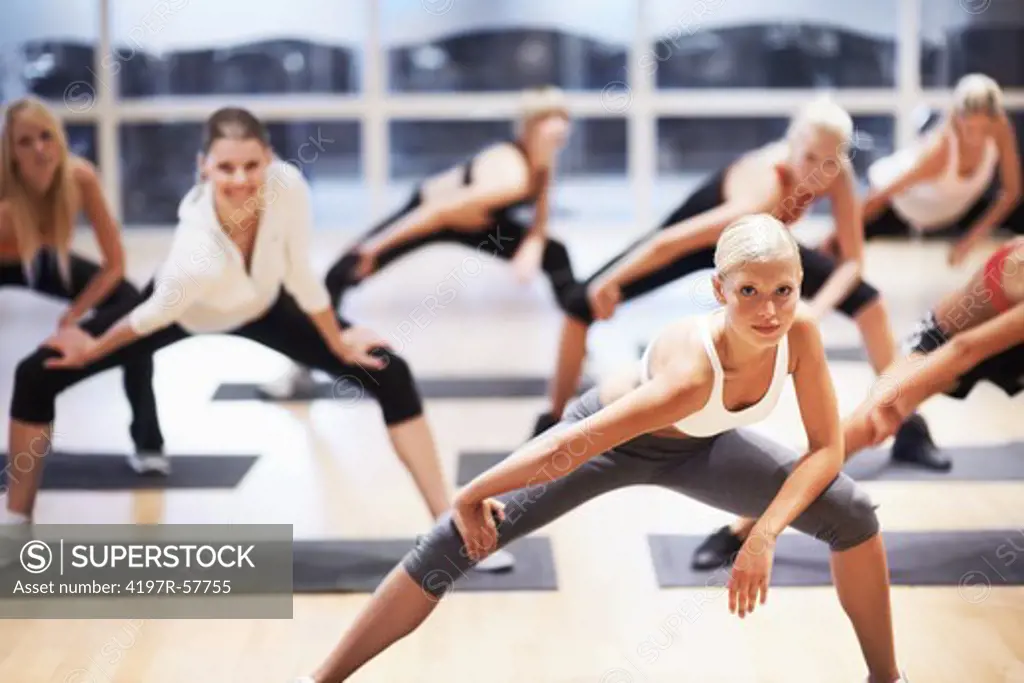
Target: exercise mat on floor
[111,472]
[974,561]
[474,463]
[358,566]
[430,388]
[995,462]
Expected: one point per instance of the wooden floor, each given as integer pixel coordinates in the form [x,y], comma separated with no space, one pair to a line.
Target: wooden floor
[327,469]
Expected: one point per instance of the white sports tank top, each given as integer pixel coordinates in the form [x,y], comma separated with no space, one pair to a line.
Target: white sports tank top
[939,202]
[714,418]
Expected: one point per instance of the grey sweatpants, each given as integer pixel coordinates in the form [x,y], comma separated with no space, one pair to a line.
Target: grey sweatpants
[737,471]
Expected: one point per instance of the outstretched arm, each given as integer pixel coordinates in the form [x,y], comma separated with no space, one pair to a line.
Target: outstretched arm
[500,186]
[653,405]
[689,235]
[943,366]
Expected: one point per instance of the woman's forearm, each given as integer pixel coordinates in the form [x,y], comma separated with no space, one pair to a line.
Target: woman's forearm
[118,336]
[329,328]
[419,223]
[539,461]
[993,217]
[812,475]
[99,288]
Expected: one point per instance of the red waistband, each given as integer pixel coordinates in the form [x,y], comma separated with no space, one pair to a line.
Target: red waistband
[995,267]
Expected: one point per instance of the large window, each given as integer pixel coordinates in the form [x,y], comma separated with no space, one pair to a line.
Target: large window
[489,45]
[158,166]
[47,48]
[758,44]
[959,37]
[662,92]
[225,47]
[591,180]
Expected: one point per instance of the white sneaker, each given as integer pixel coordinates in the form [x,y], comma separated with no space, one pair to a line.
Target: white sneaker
[498,561]
[297,379]
[149,463]
[13,537]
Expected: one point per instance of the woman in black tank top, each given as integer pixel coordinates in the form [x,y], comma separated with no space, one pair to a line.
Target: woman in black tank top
[471,204]
[783,178]
[35,248]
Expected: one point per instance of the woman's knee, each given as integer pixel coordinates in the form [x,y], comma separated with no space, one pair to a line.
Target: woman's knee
[862,303]
[35,388]
[846,516]
[395,388]
[439,559]
[576,304]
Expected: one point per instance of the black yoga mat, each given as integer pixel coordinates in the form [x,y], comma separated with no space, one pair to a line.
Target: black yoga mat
[973,561]
[999,462]
[110,472]
[358,566]
[430,388]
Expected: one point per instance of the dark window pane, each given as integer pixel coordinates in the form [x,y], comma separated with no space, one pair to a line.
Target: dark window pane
[755,44]
[591,175]
[158,166]
[491,45]
[691,149]
[220,47]
[82,140]
[987,39]
[47,49]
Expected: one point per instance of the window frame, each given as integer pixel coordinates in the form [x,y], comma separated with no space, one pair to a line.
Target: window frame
[635,98]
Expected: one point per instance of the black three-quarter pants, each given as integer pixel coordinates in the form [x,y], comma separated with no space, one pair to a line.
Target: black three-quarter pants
[500,239]
[138,372]
[285,328]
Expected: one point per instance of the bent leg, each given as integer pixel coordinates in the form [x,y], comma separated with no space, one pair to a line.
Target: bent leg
[742,472]
[34,398]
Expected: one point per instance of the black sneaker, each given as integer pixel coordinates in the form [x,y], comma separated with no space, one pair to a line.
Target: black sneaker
[718,550]
[913,445]
[545,421]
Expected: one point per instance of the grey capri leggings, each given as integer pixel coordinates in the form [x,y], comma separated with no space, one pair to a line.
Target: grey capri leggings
[737,471]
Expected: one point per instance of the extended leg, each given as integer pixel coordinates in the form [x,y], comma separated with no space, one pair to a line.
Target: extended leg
[411,592]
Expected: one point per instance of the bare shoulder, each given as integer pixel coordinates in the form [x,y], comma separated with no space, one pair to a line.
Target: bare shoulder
[502,163]
[84,172]
[804,339]
[679,355]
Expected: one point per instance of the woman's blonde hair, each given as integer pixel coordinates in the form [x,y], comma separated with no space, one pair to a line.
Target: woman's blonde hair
[53,222]
[756,238]
[539,103]
[977,94]
[823,113]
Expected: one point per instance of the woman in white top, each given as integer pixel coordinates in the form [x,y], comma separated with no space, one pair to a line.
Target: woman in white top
[242,236]
[678,422]
[935,184]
